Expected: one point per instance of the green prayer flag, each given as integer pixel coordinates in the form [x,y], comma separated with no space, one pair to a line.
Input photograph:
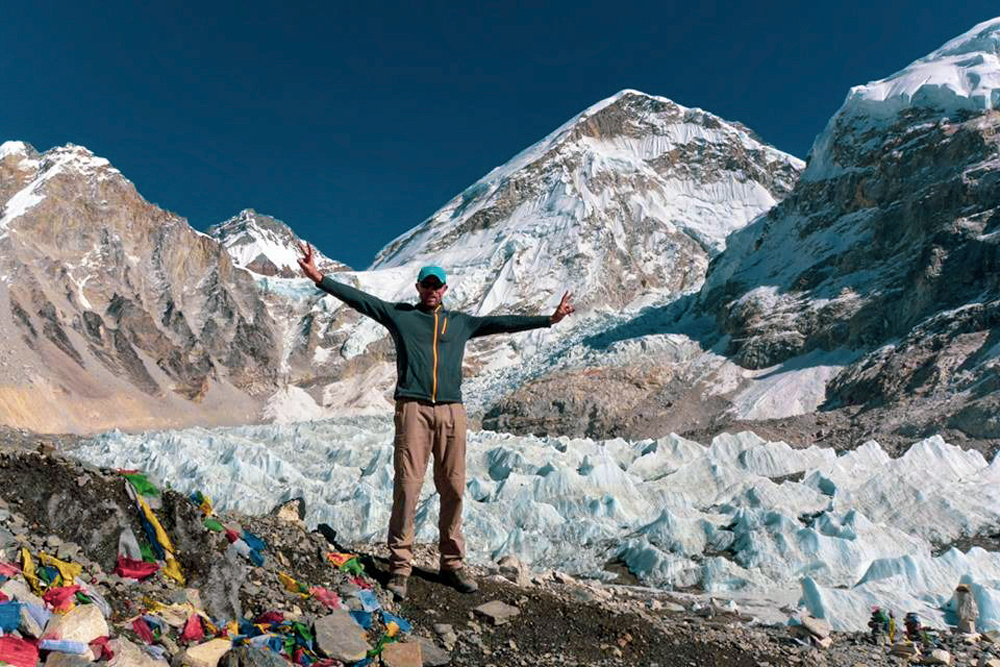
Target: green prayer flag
[142,485]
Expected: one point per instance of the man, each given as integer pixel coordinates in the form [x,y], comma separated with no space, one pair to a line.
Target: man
[430,418]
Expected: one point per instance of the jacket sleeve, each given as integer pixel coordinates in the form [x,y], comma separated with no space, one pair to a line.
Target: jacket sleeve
[494,324]
[364,303]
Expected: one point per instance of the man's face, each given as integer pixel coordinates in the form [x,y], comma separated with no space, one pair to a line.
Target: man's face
[431,290]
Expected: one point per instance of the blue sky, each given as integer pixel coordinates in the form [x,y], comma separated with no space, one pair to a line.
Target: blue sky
[353,122]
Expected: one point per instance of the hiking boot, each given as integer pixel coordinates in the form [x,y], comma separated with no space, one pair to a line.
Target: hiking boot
[460,580]
[397,586]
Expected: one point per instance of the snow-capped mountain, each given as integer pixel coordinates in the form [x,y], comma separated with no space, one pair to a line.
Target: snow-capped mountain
[628,199]
[118,313]
[623,205]
[265,245]
[873,284]
[888,245]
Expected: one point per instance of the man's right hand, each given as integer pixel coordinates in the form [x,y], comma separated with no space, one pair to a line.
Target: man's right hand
[308,264]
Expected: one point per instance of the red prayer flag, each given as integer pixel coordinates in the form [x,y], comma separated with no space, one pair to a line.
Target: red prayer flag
[101,649]
[135,569]
[142,629]
[18,652]
[193,632]
[62,597]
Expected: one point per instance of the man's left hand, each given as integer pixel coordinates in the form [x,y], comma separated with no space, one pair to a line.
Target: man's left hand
[563,309]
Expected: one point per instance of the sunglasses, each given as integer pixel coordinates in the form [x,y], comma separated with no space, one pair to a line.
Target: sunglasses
[431,283]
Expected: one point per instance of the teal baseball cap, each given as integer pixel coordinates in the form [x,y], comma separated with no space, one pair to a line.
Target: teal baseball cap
[429,271]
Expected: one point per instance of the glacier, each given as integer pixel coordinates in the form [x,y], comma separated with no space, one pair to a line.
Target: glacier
[762,523]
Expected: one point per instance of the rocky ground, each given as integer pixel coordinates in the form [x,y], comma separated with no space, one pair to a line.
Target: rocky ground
[295,603]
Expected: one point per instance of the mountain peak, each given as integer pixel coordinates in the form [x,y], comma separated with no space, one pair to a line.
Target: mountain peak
[961,77]
[264,245]
[16,148]
[964,74]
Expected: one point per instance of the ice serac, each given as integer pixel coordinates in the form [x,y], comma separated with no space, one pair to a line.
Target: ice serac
[888,247]
[757,521]
[116,312]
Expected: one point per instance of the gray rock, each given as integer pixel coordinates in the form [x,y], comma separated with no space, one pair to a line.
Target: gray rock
[348,590]
[339,636]
[220,592]
[248,656]
[68,551]
[433,655]
[57,659]
[29,626]
[816,626]
[290,510]
[513,569]
[169,644]
[15,588]
[496,612]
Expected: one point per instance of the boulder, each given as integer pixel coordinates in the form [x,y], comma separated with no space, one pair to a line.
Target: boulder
[220,591]
[33,620]
[513,569]
[966,607]
[83,623]
[904,650]
[816,626]
[207,654]
[496,612]
[19,591]
[432,655]
[128,654]
[293,511]
[250,656]
[402,654]
[338,636]
[938,657]
[57,659]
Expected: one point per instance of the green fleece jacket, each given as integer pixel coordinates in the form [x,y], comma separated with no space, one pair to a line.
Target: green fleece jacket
[430,344]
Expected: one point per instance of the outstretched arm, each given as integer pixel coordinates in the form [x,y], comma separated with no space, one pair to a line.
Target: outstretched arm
[364,303]
[485,326]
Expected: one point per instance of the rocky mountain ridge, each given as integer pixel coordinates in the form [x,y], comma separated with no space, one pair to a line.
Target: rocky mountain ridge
[855,302]
[873,282]
[623,204]
[117,313]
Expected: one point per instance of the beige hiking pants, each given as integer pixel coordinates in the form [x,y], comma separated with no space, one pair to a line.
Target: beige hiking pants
[423,429]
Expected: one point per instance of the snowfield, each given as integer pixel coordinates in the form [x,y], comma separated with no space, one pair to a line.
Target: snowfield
[758,522]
